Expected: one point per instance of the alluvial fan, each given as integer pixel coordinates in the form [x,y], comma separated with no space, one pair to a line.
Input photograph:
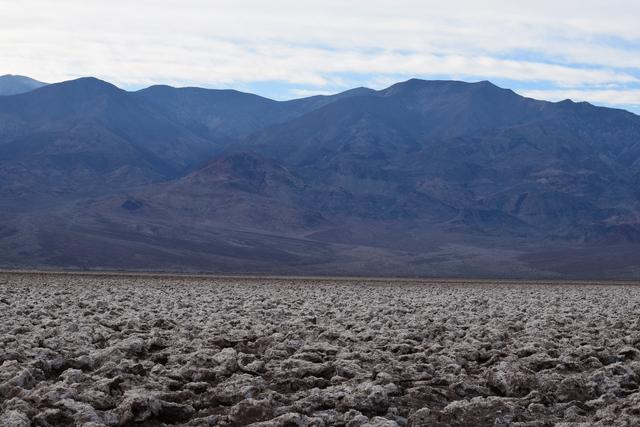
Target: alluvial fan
[111,350]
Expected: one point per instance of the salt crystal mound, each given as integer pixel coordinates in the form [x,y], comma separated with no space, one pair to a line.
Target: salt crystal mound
[128,351]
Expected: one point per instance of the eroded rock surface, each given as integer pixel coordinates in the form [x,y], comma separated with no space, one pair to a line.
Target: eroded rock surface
[141,350]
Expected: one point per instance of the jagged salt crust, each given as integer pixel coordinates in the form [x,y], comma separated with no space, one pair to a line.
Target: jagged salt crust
[109,351]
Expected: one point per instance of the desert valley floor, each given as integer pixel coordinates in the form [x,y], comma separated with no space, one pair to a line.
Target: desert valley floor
[96,350]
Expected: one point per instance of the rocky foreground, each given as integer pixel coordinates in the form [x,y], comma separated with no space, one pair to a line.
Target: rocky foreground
[124,350]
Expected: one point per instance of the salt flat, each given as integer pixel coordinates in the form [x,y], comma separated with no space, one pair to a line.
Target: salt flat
[99,350]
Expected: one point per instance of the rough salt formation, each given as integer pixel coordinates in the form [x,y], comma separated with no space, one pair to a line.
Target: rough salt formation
[124,351]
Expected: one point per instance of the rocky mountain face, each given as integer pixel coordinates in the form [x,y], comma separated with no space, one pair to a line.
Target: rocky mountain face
[438,178]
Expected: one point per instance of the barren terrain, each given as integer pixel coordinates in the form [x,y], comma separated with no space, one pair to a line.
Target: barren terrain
[98,350]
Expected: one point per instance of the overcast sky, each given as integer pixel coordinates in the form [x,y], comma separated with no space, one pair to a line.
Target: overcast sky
[580,49]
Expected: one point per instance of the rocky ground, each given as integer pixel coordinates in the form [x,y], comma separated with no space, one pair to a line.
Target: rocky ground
[123,350]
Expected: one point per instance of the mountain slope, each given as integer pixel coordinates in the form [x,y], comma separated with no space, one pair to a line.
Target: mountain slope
[555,166]
[238,191]
[88,137]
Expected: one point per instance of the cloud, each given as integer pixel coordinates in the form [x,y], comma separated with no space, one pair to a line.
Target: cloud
[329,45]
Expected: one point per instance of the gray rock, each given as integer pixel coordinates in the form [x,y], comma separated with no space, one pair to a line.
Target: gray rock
[335,353]
[250,411]
[14,418]
[423,417]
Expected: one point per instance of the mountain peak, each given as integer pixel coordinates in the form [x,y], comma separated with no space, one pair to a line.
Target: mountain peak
[13,76]
[442,93]
[90,82]
[419,86]
[487,83]
[11,84]
[415,83]
[82,88]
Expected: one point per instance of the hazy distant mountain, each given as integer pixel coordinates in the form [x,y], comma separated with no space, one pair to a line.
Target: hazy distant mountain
[422,178]
[229,114]
[13,85]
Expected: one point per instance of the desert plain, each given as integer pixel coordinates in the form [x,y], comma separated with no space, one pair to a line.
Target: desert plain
[151,350]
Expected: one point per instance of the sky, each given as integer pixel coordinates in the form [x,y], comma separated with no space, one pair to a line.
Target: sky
[584,50]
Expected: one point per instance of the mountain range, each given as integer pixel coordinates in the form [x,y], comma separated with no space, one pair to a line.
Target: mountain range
[423,178]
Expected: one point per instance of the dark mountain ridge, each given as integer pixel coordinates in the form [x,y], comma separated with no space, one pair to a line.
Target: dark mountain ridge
[421,178]
[487,146]
[95,138]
